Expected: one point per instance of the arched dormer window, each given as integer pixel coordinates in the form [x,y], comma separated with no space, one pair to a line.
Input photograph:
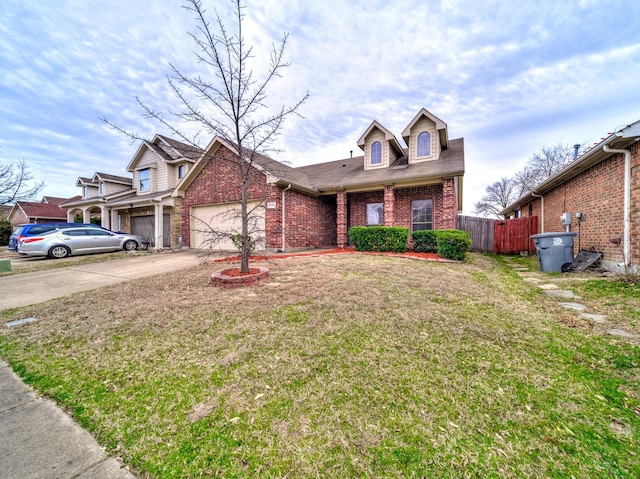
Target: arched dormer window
[424,144]
[376,153]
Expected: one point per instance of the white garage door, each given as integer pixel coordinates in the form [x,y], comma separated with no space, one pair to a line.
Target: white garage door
[212,221]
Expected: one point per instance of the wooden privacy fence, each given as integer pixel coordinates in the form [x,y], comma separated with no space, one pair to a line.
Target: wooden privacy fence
[481,231]
[514,236]
[499,236]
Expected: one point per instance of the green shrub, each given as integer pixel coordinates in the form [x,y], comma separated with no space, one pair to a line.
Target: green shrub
[453,244]
[5,232]
[379,238]
[425,241]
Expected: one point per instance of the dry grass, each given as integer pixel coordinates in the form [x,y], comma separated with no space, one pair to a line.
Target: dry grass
[345,366]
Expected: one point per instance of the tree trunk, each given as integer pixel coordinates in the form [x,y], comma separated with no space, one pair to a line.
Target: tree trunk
[245,240]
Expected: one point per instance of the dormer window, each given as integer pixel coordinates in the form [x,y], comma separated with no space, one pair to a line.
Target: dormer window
[84,191]
[376,153]
[424,144]
[180,172]
[145,180]
[101,188]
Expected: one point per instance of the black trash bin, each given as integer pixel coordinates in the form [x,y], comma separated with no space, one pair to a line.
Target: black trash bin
[554,250]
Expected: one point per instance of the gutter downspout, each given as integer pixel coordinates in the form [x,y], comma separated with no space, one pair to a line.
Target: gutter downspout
[541,209]
[287,188]
[627,200]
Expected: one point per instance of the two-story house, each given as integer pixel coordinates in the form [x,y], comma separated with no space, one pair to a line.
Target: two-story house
[140,204]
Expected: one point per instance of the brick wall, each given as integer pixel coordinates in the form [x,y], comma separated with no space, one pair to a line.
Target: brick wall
[310,221]
[402,205]
[597,193]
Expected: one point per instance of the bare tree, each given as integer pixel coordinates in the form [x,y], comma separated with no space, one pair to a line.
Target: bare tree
[17,183]
[227,100]
[540,167]
[499,195]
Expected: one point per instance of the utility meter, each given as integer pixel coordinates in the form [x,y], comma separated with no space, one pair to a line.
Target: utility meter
[566,219]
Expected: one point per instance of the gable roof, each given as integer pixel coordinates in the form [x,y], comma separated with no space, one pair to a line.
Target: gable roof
[168,149]
[54,200]
[328,177]
[38,210]
[111,178]
[351,174]
[388,136]
[621,138]
[441,127]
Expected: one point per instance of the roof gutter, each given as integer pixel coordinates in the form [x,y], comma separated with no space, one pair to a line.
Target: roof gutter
[626,252]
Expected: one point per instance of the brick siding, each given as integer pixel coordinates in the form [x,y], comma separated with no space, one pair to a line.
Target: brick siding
[597,193]
[311,221]
[402,205]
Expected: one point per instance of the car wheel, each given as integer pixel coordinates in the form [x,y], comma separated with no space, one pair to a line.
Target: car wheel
[130,245]
[59,252]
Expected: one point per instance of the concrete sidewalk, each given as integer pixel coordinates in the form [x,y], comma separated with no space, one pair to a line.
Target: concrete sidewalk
[38,440]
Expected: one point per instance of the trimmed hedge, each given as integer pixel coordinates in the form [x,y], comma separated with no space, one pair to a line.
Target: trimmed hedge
[379,238]
[453,244]
[450,244]
[425,241]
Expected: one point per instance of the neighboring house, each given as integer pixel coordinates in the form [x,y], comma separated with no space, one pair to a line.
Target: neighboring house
[45,211]
[140,204]
[603,185]
[184,191]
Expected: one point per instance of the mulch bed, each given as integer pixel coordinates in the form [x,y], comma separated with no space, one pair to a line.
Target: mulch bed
[408,254]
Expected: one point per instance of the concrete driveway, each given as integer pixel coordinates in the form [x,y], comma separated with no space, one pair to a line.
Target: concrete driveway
[31,288]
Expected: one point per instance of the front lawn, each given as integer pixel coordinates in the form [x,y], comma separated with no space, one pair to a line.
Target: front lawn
[339,366]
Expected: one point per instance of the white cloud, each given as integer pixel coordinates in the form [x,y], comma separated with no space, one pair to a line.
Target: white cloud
[509,77]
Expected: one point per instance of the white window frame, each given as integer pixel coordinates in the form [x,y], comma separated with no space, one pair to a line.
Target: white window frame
[427,145]
[427,221]
[181,171]
[375,214]
[376,157]
[145,181]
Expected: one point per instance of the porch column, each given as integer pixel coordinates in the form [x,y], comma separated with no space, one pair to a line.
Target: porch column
[86,218]
[114,220]
[449,204]
[70,216]
[104,217]
[389,205]
[158,226]
[341,218]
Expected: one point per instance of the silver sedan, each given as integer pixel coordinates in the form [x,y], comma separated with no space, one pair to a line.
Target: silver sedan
[63,242]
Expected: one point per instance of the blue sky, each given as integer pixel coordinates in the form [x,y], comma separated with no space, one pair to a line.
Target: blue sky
[509,77]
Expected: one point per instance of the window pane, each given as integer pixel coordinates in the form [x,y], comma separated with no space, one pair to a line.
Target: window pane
[424,144]
[145,182]
[421,215]
[375,214]
[376,153]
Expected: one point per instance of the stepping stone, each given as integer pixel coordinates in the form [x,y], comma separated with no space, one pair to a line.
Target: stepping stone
[596,318]
[519,268]
[530,279]
[620,333]
[561,294]
[574,306]
[548,286]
